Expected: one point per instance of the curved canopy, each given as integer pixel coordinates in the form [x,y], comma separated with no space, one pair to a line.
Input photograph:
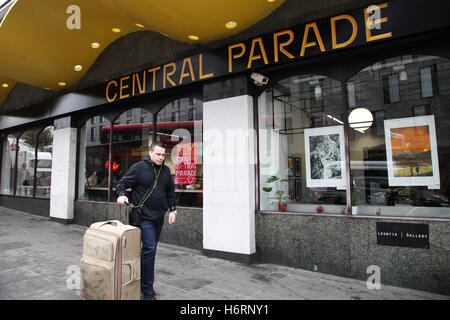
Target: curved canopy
[51,43]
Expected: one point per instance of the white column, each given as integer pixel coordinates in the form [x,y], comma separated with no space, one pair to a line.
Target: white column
[229,178]
[63,173]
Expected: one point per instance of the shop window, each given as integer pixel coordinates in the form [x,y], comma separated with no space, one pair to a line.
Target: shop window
[32,175]
[26,150]
[8,164]
[93,165]
[184,138]
[403,170]
[131,143]
[44,163]
[297,161]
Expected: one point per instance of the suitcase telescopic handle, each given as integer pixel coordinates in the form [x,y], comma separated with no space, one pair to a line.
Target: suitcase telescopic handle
[127,219]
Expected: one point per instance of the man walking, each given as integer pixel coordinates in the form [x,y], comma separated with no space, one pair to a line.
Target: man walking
[149,179]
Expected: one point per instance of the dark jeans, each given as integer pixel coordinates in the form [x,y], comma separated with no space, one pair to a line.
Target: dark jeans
[150,232]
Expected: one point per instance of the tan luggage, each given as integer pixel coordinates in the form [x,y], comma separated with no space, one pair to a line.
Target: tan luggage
[111,263]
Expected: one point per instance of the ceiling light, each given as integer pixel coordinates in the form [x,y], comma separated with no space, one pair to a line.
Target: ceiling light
[270,0]
[139,25]
[78,67]
[62,84]
[231,24]
[115,30]
[360,119]
[193,37]
[5,85]
[95,45]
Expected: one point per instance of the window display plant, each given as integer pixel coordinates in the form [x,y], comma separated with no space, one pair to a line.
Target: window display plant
[277,191]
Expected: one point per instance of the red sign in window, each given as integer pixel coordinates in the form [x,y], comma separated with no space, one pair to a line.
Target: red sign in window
[186,163]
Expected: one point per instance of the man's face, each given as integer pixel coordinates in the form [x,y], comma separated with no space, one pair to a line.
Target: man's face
[157,155]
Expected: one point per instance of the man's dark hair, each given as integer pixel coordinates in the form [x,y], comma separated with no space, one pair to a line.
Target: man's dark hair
[156,144]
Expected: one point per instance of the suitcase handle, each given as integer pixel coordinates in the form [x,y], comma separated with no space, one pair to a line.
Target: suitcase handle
[132,274]
[113,222]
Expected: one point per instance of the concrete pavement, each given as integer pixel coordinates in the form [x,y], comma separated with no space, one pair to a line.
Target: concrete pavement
[39,259]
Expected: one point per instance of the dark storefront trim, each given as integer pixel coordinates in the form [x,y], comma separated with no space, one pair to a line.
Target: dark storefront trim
[37,206]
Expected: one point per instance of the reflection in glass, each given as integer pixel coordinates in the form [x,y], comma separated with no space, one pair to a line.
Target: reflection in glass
[285,111]
[94,155]
[371,192]
[426,82]
[25,164]
[180,128]
[44,163]
[131,141]
[8,165]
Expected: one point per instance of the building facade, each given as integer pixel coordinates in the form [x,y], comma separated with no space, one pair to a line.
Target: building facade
[323,145]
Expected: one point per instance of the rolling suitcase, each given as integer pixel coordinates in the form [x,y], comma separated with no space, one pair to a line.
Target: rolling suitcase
[111,264]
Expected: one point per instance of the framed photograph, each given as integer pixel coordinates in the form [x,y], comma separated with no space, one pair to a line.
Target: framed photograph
[411,152]
[325,157]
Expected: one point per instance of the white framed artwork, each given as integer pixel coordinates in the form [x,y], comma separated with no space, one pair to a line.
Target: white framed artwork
[411,152]
[325,157]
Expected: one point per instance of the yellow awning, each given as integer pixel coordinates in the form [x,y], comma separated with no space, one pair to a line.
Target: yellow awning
[49,43]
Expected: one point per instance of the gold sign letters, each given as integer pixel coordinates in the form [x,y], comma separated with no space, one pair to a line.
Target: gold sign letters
[313,38]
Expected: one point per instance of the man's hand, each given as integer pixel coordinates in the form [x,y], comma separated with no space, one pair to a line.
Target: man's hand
[172,217]
[121,200]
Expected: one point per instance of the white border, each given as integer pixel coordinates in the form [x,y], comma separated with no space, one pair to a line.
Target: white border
[338,183]
[432,181]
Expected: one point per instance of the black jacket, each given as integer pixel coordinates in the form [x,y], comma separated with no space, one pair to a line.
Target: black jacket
[140,178]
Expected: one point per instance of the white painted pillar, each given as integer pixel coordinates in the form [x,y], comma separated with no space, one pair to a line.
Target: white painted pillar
[62,192]
[229,177]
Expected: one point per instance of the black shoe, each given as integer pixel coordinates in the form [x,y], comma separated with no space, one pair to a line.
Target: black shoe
[148,297]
